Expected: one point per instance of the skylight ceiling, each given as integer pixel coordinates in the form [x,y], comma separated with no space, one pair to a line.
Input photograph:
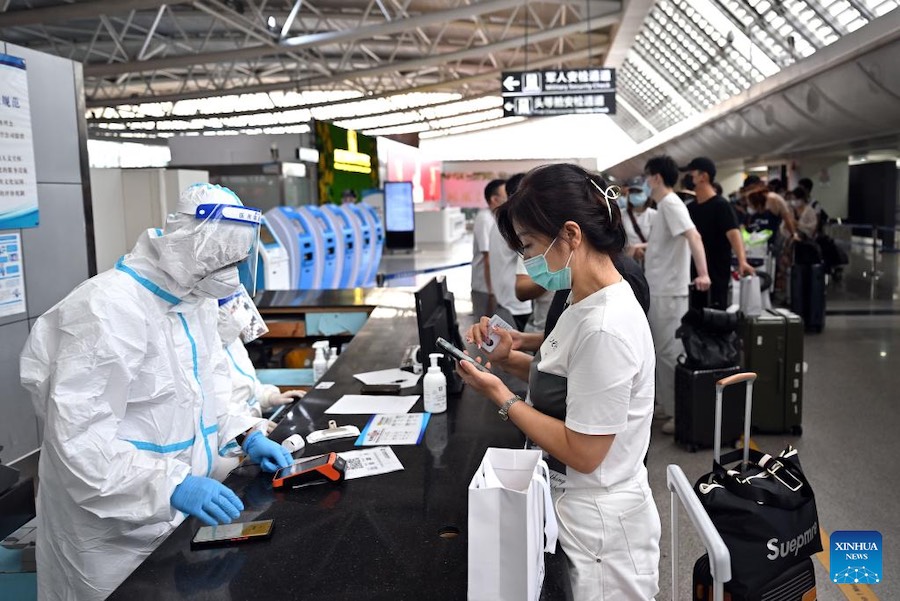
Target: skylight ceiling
[691,55]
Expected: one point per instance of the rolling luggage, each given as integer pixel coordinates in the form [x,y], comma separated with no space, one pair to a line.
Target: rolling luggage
[808,295]
[773,349]
[760,497]
[695,393]
[798,583]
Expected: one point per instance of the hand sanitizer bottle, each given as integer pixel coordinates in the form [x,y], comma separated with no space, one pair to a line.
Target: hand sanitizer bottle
[320,363]
[435,386]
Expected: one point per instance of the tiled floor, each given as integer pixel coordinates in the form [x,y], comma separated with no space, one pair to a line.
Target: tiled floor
[851,414]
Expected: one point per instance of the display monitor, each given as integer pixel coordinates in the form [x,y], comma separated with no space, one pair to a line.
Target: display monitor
[436,317]
[399,215]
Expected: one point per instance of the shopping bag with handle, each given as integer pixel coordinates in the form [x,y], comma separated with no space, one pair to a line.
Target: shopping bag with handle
[511,525]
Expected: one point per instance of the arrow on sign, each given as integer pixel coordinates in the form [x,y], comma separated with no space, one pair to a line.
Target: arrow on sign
[511,83]
[509,106]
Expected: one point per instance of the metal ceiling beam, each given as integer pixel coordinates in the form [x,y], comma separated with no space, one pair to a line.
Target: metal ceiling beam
[399,25]
[80,10]
[309,41]
[452,85]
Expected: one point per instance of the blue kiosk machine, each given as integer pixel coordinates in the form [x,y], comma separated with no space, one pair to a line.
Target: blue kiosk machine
[326,246]
[297,233]
[349,247]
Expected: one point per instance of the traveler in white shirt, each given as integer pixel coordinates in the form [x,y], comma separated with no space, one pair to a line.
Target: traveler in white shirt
[502,267]
[667,265]
[590,385]
[482,293]
[638,219]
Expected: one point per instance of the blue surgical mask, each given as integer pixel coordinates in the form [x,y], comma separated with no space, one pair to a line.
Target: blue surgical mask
[622,202]
[540,272]
[648,192]
[637,199]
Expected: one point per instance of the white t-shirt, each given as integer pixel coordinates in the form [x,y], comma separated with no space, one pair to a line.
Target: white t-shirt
[645,222]
[503,274]
[540,306]
[667,262]
[481,235]
[602,346]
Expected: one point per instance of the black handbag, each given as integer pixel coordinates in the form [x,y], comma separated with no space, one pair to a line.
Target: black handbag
[709,338]
[765,512]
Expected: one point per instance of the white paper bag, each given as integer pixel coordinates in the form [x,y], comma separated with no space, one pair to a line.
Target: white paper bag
[511,525]
[751,296]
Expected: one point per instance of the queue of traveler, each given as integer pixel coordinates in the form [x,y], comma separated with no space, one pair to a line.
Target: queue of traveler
[607,252]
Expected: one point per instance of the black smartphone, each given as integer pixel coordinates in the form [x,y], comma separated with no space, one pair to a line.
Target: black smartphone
[380,389]
[228,534]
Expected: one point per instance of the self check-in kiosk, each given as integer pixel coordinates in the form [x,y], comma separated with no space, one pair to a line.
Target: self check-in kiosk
[297,233]
[377,228]
[273,271]
[348,251]
[364,242]
[326,246]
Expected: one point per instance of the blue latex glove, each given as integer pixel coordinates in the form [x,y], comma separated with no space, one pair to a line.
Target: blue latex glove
[207,499]
[269,455]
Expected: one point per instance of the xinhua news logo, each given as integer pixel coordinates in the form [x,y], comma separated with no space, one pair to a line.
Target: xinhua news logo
[856,557]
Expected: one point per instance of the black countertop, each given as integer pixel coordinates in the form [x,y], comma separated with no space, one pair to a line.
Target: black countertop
[371,538]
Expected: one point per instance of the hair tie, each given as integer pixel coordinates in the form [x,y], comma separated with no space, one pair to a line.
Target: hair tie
[611,193]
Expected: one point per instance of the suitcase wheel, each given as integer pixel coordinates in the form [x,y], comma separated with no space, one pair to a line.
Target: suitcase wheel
[797,430]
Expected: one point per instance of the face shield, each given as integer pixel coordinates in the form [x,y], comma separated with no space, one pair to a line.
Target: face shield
[226,244]
[238,316]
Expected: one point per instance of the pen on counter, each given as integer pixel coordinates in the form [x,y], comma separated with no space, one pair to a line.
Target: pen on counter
[277,413]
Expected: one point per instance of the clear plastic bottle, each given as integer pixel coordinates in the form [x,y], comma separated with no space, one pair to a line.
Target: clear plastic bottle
[435,386]
[332,356]
[320,363]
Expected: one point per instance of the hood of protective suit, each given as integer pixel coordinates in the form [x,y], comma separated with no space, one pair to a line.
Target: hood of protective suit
[192,249]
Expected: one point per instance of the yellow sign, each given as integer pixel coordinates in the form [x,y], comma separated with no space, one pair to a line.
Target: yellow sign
[351,159]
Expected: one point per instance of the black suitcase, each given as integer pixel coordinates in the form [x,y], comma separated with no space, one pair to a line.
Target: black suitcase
[773,349]
[695,407]
[808,295]
[796,584]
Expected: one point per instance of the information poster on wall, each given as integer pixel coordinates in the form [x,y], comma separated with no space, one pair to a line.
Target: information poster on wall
[18,184]
[12,286]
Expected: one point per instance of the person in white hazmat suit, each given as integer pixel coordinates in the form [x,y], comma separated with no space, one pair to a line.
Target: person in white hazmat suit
[130,382]
[239,323]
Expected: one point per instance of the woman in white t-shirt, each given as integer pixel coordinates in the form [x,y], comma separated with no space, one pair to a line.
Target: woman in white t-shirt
[591,385]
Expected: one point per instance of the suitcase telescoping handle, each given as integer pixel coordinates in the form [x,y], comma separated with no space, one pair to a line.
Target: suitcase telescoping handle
[719,556]
[749,377]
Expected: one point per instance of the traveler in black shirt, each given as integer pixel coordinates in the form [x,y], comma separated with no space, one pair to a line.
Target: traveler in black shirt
[718,227]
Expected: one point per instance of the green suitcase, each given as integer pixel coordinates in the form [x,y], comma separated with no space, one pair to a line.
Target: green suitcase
[773,349]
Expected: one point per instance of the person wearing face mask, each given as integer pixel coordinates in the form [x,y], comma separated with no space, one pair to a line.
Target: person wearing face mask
[638,217]
[239,323]
[590,384]
[673,241]
[718,227]
[130,384]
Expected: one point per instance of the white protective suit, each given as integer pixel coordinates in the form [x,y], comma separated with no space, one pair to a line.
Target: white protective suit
[130,380]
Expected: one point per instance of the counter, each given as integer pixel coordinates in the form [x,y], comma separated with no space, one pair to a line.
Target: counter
[371,538]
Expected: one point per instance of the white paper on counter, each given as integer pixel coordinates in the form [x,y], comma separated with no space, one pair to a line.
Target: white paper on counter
[372,403]
[370,462]
[389,376]
[406,429]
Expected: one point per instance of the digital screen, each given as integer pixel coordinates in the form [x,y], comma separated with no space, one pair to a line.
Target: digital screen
[208,534]
[265,235]
[398,207]
[302,466]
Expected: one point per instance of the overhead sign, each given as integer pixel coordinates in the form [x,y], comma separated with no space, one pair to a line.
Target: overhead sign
[18,183]
[558,92]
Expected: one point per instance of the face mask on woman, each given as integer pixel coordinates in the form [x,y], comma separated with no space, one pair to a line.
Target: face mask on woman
[540,272]
[637,199]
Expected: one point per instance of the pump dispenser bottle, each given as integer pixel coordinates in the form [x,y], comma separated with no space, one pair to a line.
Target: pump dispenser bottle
[435,386]
[320,363]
